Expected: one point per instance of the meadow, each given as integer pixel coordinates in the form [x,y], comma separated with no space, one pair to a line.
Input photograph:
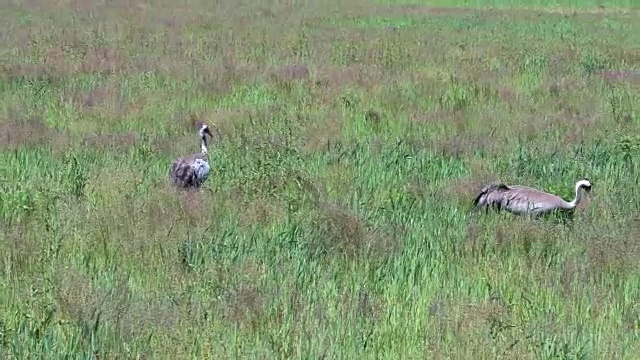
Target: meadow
[337,219]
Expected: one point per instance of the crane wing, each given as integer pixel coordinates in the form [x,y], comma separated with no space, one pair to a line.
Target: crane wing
[490,194]
[182,174]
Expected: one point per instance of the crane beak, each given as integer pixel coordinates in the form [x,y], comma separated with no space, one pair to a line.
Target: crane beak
[207,131]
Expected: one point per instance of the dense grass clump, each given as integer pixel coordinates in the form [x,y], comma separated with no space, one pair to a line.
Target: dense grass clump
[336,221]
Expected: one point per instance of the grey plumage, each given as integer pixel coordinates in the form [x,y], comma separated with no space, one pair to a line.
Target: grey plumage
[183,171]
[192,171]
[523,200]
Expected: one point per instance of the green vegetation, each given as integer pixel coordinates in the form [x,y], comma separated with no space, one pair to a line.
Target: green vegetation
[336,222]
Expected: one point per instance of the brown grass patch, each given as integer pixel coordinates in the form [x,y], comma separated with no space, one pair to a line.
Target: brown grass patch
[332,79]
[427,117]
[560,86]
[574,119]
[624,76]
[507,94]
[131,317]
[57,62]
[573,272]
[521,12]
[101,60]
[523,233]
[324,134]
[113,141]
[244,302]
[77,297]
[286,77]
[138,227]
[477,326]
[28,71]
[595,11]
[340,231]
[294,72]
[93,98]
[474,245]
[221,77]
[631,319]
[89,306]
[245,306]
[220,121]
[261,211]
[536,240]
[15,134]
[462,145]
[147,232]
[462,140]
[185,141]
[466,189]
[152,228]
[112,183]
[425,10]
[462,190]
[454,118]
[177,146]
[363,305]
[616,250]
[479,318]
[197,206]
[21,249]
[368,306]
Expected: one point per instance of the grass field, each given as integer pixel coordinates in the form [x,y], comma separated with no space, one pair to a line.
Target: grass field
[337,220]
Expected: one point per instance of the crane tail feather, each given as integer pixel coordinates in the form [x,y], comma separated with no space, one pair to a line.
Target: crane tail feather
[481,198]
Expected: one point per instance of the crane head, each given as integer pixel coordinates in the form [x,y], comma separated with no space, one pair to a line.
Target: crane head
[585,184]
[204,129]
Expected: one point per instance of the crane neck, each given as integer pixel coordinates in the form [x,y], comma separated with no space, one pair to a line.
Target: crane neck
[203,146]
[577,199]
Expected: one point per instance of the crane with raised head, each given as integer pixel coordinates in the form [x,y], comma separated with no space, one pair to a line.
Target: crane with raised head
[193,170]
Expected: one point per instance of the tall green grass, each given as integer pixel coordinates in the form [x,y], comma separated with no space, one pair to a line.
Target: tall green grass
[337,219]
[546,4]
